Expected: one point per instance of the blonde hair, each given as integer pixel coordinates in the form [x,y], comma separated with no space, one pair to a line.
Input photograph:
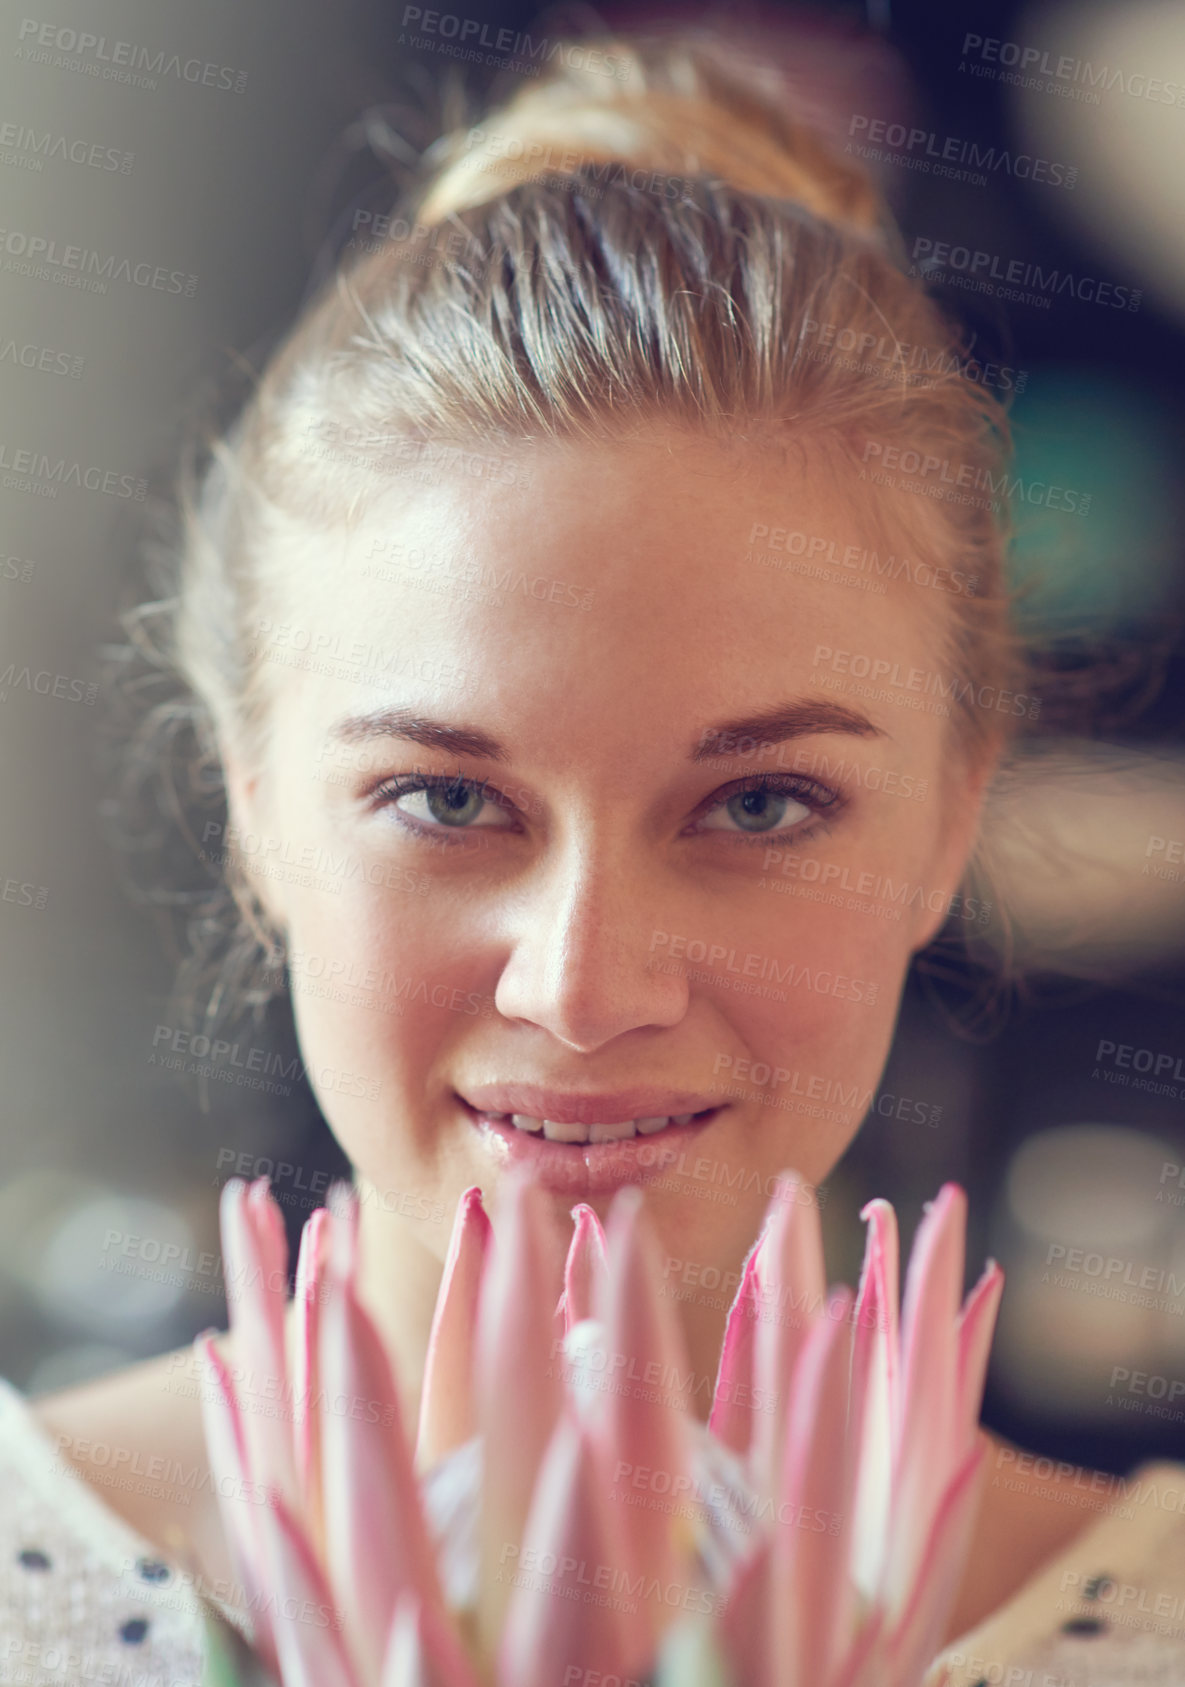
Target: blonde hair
[610,248]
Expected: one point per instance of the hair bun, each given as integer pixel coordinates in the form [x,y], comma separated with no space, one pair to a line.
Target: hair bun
[683,105]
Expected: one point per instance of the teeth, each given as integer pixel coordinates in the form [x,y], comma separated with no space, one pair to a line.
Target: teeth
[647,1127]
[557,1132]
[612,1133]
[564,1133]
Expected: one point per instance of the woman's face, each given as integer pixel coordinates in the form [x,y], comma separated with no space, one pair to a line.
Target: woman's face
[575,809]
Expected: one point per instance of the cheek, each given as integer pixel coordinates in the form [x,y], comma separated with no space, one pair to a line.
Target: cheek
[379,989]
[809,1011]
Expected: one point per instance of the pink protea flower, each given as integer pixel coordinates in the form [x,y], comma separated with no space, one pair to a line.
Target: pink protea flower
[564,1517]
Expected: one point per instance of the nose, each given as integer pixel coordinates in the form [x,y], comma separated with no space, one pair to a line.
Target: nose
[580,964]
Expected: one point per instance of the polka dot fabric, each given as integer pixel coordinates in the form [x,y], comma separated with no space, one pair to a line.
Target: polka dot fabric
[83,1598]
[1107,1612]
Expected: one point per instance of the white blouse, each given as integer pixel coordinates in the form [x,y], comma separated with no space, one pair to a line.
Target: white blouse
[84,1598]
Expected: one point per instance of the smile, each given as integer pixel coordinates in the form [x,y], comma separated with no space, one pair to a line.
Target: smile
[556,1130]
[581,1144]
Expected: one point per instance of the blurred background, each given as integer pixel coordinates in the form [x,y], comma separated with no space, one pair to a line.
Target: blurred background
[218,156]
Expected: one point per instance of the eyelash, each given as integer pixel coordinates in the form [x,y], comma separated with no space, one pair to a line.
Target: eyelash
[822,800]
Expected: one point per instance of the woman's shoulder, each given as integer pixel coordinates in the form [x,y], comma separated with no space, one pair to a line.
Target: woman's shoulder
[1102,1592]
[82,1592]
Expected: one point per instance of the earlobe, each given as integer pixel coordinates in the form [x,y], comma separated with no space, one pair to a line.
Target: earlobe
[955,845]
[245,821]
[241,792]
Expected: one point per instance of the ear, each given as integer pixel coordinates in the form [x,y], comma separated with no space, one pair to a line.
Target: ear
[247,820]
[962,796]
[242,794]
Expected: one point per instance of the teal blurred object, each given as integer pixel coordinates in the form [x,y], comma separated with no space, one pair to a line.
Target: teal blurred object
[1096,513]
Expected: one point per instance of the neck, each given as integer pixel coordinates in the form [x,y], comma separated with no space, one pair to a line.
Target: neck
[399,1277]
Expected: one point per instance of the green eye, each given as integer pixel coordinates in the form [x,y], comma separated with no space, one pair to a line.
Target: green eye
[433,803]
[760,809]
[456,804]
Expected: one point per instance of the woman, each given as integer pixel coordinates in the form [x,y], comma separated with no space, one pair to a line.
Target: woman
[554,601]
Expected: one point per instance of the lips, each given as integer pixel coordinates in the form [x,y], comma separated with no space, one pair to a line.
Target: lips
[583,1143]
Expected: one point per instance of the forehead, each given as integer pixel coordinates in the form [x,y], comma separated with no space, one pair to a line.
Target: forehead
[680,572]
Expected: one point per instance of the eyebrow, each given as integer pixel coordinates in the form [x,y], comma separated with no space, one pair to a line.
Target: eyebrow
[419,729]
[798,719]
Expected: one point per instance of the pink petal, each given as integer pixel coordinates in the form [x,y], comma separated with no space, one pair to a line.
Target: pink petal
[585,1268]
[307,1628]
[227,1450]
[926,1455]
[448,1415]
[731,1417]
[918,1635]
[255,1250]
[792,1293]
[864,1663]
[572,1532]
[877,1317]
[645,1423]
[519,1383]
[746,1621]
[977,1321]
[424,1651]
[812,1594]
[306,1369]
[874,1406]
[376,1539]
